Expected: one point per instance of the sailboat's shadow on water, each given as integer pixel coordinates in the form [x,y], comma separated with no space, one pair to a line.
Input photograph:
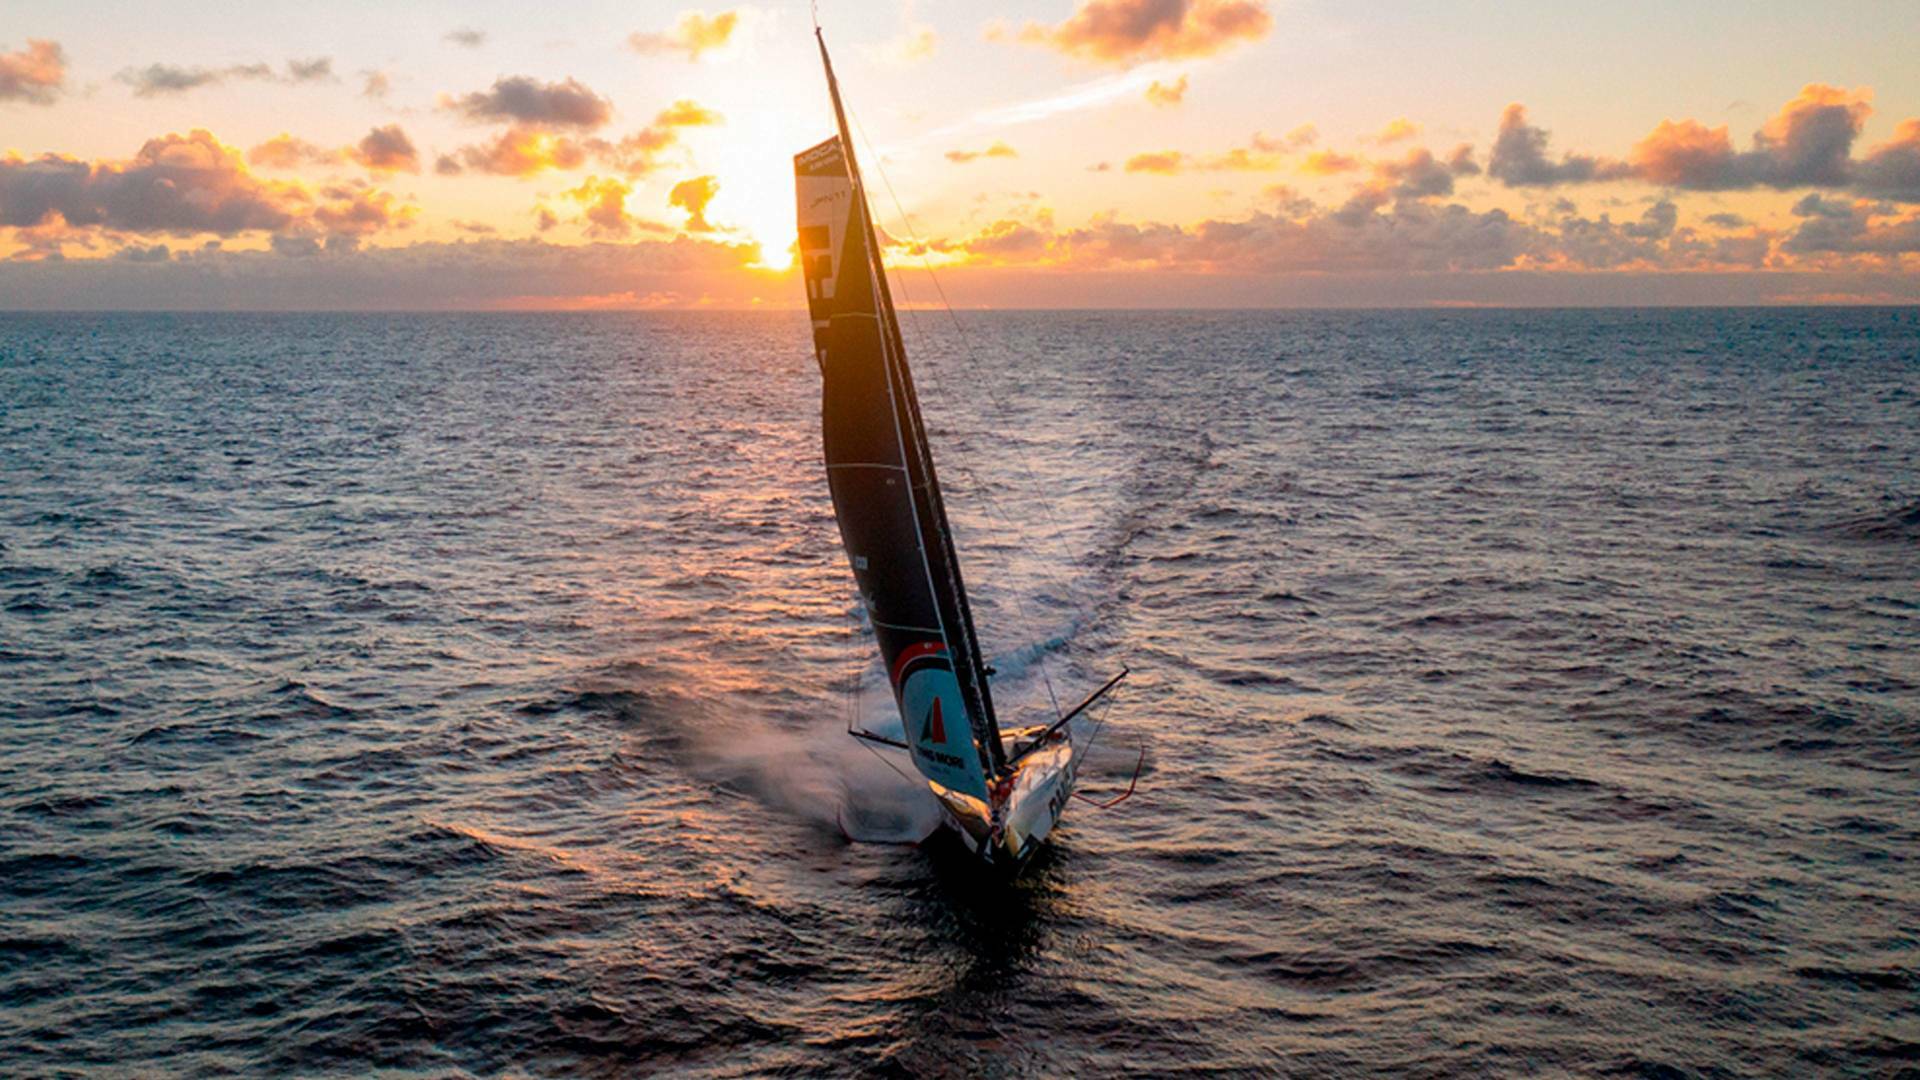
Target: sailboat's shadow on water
[986,932]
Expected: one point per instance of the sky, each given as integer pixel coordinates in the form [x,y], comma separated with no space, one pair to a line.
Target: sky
[1069,153]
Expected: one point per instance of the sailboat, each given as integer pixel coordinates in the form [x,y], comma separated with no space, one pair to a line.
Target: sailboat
[1001,791]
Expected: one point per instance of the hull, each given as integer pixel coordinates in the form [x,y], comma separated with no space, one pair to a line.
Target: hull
[1026,805]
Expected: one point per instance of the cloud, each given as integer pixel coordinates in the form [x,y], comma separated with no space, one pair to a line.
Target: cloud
[529,149]
[1836,227]
[1330,163]
[1420,175]
[1238,159]
[522,100]
[1519,157]
[1398,129]
[159,80]
[606,205]
[283,151]
[35,74]
[358,209]
[522,150]
[997,150]
[1726,221]
[1127,31]
[915,43]
[386,149]
[693,33]
[318,69]
[378,84]
[1166,95]
[459,275]
[466,37]
[693,196]
[641,152]
[1299,138]
[1892,169]
[1809,143]
[179,184]
[383,150]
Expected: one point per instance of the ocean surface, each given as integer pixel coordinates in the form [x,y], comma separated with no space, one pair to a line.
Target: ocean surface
[1524,692]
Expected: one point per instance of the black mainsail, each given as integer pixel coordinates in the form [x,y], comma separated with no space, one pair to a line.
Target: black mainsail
[886,495]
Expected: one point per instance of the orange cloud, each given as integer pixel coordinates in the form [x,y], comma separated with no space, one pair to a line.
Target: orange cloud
[1329,163]
[693,196]
[358,209]
[1303,136]
[1682,150]
[35,74]
[606,206]
[915,44]
[1808,143]
[521,151]
[1166,95]
[283,151]
[640,152]
[997,150]
[1125,31]
[1398,129]
[1164,162]
[693,34]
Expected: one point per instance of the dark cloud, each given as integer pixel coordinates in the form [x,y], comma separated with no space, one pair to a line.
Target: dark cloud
[466,37]
[1420,175]
[302,272]
[180,184]
[318,69]
[1807,144]
[387,149]
[1519,157]
[1656,224]
[185,185]
[1125,31]
[158,80]
[522,100]
[1892,169]
[35,74]
[1831,226]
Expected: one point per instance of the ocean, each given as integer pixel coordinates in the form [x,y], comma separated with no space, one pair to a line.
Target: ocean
[1512,693]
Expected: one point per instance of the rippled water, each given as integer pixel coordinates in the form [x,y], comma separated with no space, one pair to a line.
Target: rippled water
[1520,692]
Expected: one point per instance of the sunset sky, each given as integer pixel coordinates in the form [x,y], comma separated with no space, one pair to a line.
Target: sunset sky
[1103,153]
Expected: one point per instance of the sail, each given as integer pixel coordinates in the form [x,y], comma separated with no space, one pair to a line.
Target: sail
[886,495]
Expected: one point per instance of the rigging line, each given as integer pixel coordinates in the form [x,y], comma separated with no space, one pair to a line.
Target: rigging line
[959,459]
[993,508]
[1054,539]
[966,346]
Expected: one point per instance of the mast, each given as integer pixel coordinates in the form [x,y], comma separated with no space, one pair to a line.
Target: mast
[936,535]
